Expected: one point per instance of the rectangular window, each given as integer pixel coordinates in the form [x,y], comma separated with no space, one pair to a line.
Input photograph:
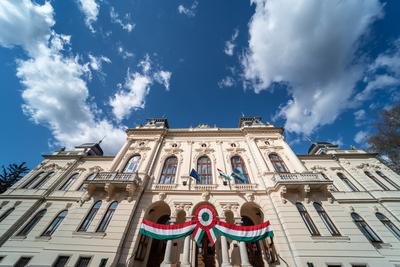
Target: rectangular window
[358,265]
[103,263]
[22,262]
[61,261]
[83,262]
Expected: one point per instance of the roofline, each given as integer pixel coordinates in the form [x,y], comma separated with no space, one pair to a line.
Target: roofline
[51,156]
[339,155]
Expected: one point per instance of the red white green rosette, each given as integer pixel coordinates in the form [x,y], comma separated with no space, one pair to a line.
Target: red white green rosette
[205,219]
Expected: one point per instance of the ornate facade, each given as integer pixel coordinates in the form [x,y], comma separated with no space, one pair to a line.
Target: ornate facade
[331,207]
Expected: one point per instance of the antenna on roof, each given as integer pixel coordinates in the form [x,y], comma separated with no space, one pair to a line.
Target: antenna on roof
[309,139]
[242,114]
[101,140]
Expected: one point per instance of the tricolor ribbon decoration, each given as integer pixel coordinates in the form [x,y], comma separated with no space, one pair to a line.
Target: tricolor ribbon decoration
[205,222]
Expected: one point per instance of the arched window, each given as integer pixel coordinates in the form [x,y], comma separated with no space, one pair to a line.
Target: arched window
[307,219]
[325,218]
[67,185]
[389,225]
[204,170]
[169,171]
[387,179]
[277,162]
[238,163]
[90,177]
[31,181]
[43,180]
[89,217]
[365,229]
[376,180]
[55,223]
[347,182]
[32,223]
[107,217]
[133,164]
[6,213]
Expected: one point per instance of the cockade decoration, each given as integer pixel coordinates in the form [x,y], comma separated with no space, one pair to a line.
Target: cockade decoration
[205,222]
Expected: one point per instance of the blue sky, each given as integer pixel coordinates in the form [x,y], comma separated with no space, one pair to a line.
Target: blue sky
[78,71]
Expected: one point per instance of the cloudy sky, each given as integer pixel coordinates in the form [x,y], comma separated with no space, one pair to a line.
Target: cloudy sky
[82,70]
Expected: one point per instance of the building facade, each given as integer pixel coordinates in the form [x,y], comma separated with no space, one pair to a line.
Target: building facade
[331,207]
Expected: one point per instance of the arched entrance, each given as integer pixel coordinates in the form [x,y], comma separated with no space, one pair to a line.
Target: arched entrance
[205,253]
[251,215]
[157,249]
[150,252]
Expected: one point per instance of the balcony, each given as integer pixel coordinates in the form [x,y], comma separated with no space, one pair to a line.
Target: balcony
[205,187]
[300,182]
[165,187]
[112,183]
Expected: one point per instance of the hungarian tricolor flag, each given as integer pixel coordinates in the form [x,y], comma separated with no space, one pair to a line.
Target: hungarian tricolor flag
[221,173]
[166,231]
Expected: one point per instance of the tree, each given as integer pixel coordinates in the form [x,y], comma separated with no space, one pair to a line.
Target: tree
[386,140]
[12,174]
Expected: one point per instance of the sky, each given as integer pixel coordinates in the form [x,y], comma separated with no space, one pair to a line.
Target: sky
[84,70]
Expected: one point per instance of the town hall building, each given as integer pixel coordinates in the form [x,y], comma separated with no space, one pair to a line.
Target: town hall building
[77,208]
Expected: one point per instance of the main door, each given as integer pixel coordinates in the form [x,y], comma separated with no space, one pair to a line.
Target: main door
[205,255]
[157,249]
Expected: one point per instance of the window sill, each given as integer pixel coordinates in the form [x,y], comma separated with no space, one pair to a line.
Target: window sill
[22,237]
[43,237]
[89,234]
[330,238]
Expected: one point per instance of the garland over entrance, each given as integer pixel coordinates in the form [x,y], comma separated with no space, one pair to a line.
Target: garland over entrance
[206,222]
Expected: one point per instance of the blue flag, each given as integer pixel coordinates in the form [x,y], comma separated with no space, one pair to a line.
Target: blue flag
[195,175]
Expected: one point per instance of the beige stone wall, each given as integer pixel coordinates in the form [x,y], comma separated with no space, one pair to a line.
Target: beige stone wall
[266,195]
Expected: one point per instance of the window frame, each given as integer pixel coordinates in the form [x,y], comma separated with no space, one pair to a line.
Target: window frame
[307,219]
[19,261]
[242,166]
[164,171]
[107,217]
[128,162]
[80,258]
[347,181]
[31,181]
[207,177]
[365,229]
[88,219]
[278,163]
[28,227]
[7,213]
[387,179]
[69,182]
[43,180]
[57,263]
[388,224]
[55,223]
[376,180]
[326,219]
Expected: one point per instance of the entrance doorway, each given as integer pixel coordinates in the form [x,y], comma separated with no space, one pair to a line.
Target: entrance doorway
[157,249]
[253,248]
[205,254]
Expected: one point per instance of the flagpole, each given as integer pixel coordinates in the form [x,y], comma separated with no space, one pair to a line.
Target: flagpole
[190,165]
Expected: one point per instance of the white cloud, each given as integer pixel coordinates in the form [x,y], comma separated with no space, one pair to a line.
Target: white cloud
[137,87]
[383,73]
[55,94]
[124,53]
[127,26]
[361,137]
[230,44]
[188,11]
[310,46]
[97,62]
[91,10]
[359,117]
[228,81]
[163,78]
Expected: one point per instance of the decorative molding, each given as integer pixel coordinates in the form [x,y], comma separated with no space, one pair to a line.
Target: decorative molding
[96,169]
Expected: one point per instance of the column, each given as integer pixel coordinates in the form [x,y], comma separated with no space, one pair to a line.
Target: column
[168,251]
[224,252]
[186,253]
[244,258]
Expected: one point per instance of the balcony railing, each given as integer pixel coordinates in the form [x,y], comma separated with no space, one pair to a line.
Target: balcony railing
[298,177]
[205,187]
[114,176]
[165,187]
[245,187]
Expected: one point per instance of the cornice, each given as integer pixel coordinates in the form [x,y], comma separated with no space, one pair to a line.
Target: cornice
[86,158]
